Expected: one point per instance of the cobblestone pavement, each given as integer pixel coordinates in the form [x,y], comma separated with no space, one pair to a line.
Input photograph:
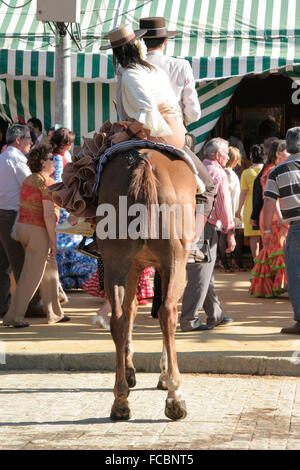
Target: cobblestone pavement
[69,410]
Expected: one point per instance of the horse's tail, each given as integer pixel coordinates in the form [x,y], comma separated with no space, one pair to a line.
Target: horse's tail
[143,185]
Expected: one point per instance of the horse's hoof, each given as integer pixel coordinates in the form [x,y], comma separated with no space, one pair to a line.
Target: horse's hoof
[130,377]
[175,409]
[120,414]
[162,385]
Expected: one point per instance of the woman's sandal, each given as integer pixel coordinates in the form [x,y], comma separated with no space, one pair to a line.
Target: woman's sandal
[225,270]
[236,266]
[22,324]
[64,319]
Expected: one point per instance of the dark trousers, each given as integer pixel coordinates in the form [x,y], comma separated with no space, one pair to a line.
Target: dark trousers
[222,245]
[238,253]
[11,259]
[156,303]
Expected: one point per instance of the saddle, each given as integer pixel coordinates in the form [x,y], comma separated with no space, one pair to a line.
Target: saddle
[78,191]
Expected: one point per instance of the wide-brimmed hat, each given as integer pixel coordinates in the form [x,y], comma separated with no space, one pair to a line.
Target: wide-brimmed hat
[122,35]
[156,27]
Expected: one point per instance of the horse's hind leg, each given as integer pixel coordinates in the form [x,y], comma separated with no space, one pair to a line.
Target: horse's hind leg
[162,381]
[172,285]
[175,406]
[129,349]
[130,305]
[115,281]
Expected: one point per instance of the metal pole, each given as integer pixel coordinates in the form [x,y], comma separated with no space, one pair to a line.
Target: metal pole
[63,82]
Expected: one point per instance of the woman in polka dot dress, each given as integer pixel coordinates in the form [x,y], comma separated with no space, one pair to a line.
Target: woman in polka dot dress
[95,286]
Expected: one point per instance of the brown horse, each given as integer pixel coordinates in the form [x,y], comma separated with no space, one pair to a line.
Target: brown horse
[160,180]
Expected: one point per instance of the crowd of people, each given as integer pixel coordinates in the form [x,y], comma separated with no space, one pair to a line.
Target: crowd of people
[156,97]
[268,265]
[31,226]
[268,273]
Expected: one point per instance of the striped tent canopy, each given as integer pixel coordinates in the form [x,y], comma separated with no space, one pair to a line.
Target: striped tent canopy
[220,38]
[224,40]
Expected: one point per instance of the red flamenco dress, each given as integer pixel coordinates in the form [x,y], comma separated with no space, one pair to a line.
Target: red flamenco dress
[269,273]
[95,284]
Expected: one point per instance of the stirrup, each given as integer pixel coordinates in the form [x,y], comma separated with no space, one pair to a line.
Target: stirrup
[89,250]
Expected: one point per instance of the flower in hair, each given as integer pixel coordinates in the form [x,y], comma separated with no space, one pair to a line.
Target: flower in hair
[141,46]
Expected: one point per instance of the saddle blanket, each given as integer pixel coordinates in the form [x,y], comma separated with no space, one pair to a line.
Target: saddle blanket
[136,144]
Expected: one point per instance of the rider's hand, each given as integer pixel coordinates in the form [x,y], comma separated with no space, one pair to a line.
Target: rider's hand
[72,219]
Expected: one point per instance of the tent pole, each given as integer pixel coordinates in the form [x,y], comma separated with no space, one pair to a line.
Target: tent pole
[63,82]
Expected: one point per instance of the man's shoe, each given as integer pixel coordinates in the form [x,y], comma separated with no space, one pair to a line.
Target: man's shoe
[294,330]
[35,312]
[203,328]
[224,321]
[3,312]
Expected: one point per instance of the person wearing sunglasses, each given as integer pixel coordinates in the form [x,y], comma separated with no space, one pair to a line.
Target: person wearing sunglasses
[35,230]
[13,171]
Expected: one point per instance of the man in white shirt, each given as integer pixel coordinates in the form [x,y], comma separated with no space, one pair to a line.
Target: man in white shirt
[13,171]
[182,80]
[179,70]
[180,75]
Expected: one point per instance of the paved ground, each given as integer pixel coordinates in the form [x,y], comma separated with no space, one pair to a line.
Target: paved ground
[252,344]
[69,410]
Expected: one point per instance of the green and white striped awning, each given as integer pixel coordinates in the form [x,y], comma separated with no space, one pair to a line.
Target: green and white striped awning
[92,103]
[215,95]
[224,40]
[220,38]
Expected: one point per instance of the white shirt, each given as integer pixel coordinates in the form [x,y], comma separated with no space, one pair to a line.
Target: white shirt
[235,190]
[13,171]
[181,77]
[142,91]
[38,140]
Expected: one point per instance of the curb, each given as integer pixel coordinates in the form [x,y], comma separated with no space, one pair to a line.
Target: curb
[188,363]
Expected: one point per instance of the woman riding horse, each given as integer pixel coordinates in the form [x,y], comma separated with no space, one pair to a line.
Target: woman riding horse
[146,92]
